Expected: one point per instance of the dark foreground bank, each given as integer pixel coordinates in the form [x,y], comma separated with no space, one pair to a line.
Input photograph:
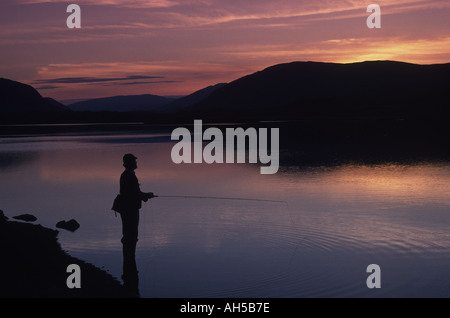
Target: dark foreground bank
[33,265]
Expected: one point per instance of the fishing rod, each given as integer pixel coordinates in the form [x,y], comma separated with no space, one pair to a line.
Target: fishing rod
[216,198]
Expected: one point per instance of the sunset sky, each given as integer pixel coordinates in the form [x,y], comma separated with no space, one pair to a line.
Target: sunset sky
[174,47]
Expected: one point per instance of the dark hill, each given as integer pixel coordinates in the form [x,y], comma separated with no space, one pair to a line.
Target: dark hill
[17,98]
[299,89]
[56,104]
[188,101]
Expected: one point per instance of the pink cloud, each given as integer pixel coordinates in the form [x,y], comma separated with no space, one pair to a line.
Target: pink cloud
[118,3]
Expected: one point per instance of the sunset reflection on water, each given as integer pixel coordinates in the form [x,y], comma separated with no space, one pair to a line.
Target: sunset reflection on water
[348,215]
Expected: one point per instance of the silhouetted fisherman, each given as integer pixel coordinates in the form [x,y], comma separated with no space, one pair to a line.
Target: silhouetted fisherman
[132,197]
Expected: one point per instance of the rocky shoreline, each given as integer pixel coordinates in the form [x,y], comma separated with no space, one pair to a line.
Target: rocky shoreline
[33,265]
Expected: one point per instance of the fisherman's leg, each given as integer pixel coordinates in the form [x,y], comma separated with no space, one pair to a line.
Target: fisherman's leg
[130,277]
[130,223]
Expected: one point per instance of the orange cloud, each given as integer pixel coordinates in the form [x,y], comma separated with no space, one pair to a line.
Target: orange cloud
[347,50]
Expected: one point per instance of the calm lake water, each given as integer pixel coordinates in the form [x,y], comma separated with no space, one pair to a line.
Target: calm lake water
[332,221]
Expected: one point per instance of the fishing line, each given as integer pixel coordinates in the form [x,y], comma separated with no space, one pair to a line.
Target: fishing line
[217,198]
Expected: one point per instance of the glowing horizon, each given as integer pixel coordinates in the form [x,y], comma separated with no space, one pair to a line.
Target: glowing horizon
[170,47]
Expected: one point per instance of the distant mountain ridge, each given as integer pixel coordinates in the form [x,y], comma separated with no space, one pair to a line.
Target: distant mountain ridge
[126,103]
[145,103]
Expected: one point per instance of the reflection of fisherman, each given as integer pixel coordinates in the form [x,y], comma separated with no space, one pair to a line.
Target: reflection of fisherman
[132,201]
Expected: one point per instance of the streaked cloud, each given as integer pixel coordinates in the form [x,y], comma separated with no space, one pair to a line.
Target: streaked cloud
[95,79]
[77,80]
[118,3]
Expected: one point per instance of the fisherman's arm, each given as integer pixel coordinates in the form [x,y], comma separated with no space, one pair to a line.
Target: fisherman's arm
[146,196]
